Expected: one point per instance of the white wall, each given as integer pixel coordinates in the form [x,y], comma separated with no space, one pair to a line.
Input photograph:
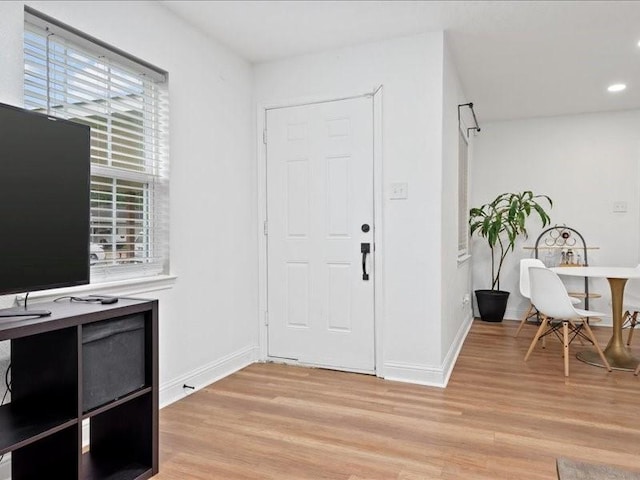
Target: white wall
[208,320]
[456,277]
[584,163]
[411,71]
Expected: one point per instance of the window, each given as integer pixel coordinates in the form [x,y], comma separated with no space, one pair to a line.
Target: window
[124,101]
[463,192]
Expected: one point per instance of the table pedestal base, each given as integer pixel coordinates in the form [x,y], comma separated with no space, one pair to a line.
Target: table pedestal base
[618,360]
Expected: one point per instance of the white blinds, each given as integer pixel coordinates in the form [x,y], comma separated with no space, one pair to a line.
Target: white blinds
[126,107]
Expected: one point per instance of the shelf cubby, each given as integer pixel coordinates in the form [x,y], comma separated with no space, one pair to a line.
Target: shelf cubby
[120,441]
[56,453]
[20,427]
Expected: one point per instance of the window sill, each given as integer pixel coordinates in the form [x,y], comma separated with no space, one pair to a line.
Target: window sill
[133,286]
[462,259]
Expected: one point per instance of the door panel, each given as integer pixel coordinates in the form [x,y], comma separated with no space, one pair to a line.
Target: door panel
[319,192]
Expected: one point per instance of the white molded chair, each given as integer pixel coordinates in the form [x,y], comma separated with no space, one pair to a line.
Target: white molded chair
[525,288]
[550,297]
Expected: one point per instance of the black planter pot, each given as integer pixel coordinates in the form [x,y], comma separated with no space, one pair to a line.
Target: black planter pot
[492,304]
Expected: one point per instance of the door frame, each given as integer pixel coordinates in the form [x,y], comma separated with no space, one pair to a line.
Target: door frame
[377,256]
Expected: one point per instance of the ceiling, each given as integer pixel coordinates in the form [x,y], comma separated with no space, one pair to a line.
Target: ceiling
[516,59]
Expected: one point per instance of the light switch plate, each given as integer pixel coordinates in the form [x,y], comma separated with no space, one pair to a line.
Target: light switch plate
[399,191]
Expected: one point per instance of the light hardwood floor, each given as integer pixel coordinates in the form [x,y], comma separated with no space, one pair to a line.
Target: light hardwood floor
[499,418]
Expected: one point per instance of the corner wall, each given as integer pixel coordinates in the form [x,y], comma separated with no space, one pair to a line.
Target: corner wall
[456,273]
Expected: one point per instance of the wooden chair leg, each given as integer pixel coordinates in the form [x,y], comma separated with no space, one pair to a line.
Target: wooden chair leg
[637,370]
[542,328]
[524,319]
[633,320]
[595,344]
[565,346]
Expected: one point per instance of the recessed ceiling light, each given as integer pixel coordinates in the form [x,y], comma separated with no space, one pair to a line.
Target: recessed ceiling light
[617,87]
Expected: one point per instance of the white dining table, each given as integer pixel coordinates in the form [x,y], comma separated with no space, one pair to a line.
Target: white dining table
[616,352]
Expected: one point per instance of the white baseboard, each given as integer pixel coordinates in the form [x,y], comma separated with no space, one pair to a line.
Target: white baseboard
[201,377]
[454,349]
[411,373]
[433,376]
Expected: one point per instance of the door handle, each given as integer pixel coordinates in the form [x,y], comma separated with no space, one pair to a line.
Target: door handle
[365,248]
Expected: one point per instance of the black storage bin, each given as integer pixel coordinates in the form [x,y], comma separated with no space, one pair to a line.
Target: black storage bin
[112,360]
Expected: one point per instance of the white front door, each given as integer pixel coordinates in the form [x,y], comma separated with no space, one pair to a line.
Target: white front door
[320,219]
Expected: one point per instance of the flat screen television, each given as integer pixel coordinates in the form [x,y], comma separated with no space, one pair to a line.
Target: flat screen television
[44,201]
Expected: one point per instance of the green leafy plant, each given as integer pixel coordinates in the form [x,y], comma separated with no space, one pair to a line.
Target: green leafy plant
[502,221]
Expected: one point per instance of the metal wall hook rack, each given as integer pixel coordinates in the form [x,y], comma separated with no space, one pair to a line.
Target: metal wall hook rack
[470,106]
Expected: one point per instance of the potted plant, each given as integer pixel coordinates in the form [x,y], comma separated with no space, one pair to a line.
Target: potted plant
[501,222]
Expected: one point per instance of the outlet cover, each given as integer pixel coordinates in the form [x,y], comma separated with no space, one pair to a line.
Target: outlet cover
[619,206]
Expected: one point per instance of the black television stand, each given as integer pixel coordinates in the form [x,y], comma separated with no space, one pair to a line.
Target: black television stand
[62,374]
[23,312]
